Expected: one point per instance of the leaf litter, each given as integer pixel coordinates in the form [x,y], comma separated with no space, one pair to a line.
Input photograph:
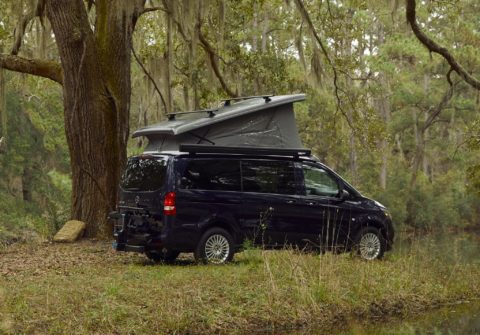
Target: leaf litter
[37,259]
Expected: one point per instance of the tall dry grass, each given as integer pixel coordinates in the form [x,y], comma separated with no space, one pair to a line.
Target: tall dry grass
[101,292]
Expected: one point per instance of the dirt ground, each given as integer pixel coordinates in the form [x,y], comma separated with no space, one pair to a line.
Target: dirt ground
[60,258]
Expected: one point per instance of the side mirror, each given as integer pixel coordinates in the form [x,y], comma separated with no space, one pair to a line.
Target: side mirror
[344,195]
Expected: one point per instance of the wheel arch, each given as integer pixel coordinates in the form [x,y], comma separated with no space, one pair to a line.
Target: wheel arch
[221,223]
[369,222]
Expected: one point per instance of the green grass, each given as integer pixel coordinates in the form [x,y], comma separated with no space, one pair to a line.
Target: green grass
[86,288]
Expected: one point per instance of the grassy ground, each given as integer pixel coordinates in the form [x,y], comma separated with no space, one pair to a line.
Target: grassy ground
[86,288]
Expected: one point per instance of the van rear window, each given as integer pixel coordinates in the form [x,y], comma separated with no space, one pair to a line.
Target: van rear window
[144,173]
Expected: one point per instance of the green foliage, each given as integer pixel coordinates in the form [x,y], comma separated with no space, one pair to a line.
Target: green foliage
[35,183]
[371,120]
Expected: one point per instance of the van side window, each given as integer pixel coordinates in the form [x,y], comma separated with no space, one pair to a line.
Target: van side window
[319,182]
[211,174]
[268,177]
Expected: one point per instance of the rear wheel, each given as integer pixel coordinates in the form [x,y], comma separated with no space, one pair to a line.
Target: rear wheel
[215,247]
[162,256]
[370,244]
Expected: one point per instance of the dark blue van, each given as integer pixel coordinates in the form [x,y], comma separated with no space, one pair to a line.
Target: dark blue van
[210,199]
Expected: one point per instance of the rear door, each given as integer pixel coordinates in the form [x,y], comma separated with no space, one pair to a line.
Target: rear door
[269,201]
[143,182]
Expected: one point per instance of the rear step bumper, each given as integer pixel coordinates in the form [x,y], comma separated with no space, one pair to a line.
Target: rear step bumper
[128,247]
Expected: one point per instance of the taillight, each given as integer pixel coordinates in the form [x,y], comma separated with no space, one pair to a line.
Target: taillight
[169,204]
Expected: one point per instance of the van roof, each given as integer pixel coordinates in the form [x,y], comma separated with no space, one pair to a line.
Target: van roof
[179,123]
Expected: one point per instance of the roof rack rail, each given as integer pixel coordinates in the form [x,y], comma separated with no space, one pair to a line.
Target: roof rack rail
[267,151]
[227,102]
[210,112]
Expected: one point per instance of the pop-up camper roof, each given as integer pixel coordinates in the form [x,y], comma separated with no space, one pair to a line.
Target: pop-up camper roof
[263,121]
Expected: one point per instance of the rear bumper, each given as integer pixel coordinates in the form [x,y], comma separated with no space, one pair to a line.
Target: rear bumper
[128,247]
[136,242]
[135,231]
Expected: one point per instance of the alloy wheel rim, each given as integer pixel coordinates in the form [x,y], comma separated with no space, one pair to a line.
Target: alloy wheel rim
[217,249]
[370,246]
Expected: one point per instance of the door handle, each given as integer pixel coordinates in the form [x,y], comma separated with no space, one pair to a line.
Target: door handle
[290,201]
[310,203]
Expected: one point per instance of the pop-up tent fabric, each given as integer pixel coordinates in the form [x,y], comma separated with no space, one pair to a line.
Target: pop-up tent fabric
[255,122]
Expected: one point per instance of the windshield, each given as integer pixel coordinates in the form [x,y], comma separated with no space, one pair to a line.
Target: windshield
[144,173]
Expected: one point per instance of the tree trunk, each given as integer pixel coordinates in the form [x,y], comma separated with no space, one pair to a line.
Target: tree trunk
[3,108]
[169,67]
[418,157]
[264,33]
[96,95]
[27,184]
[424,154]
[384,147]
[384,107]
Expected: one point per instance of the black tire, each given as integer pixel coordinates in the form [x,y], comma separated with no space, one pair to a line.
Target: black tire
[370,244]
[215,237]
[162,256]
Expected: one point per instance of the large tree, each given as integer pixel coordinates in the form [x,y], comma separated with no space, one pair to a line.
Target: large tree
[94,71]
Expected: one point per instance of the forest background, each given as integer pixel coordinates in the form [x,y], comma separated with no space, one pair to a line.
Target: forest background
[381,110]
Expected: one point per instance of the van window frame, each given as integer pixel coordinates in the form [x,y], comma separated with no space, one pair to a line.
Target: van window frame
[184,161]
[158,158]
[296,176]
[303,187]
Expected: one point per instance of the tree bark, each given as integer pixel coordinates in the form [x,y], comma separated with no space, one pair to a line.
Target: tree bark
[385,112]
[3,109]
[27,184]
[96,92]
[169,67]
[38,67]
[3,112]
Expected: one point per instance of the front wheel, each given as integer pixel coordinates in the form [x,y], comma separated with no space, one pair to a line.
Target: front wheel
[215,247]
[370,244]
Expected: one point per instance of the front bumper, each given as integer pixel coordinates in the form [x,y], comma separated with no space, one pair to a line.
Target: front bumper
[390,233]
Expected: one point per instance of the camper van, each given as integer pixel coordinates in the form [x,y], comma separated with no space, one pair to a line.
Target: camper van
[211,180]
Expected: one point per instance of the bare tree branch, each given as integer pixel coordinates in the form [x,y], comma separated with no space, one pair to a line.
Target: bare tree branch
[90,4]
[432,46]
[38,67]
[212,56]
[22,25]
[213,61]
[164,103]
[435,112]
[169,11]
[152,9]
[306,17]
